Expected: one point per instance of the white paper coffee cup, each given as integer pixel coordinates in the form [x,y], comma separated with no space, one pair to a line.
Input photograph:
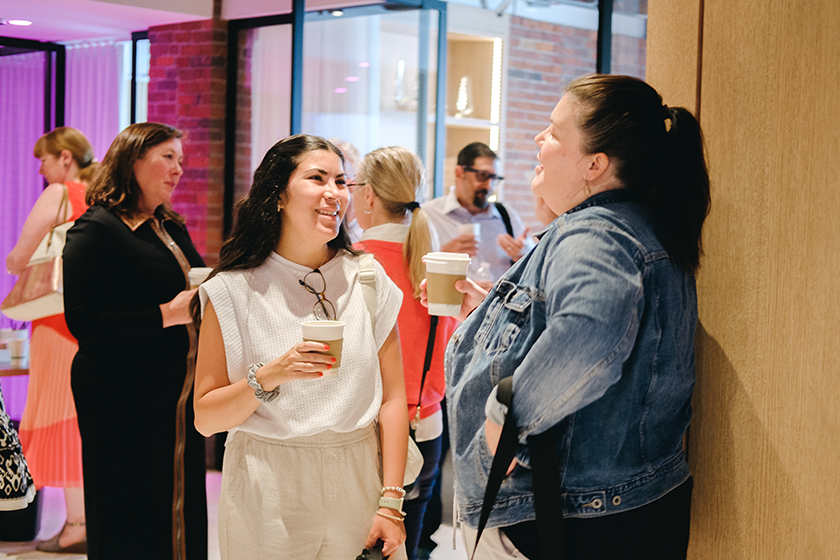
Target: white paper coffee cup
[442,271]
[18,352]
[472,228]
[198,275]
[330,333]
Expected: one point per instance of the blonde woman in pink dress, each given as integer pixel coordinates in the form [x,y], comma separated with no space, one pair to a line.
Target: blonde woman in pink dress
[49,431]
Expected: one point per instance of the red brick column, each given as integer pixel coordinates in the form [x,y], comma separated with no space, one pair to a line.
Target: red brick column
[542,58]
[187,82]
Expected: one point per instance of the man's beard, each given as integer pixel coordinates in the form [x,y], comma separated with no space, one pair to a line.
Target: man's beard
[480,198]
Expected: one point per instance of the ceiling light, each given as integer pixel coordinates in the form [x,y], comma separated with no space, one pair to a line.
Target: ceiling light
[340,90]
[351,79]
[337,13]
[20,22]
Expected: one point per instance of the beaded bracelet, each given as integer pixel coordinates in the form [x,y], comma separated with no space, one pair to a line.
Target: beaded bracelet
[391,517]
[393,489]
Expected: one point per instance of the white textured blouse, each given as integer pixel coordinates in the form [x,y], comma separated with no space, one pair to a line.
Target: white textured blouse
[260,311]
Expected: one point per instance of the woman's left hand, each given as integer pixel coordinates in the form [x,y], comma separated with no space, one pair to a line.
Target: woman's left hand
[177,311]
[493,433]
[391,532]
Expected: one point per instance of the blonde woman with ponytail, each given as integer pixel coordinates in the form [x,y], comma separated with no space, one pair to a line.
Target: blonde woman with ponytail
[49,431]
[396,231]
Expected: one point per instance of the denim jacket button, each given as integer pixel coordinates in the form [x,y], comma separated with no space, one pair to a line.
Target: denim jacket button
[596,503]
[616,500]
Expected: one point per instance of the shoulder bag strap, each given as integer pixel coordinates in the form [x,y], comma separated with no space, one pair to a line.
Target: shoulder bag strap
[427,364]
[505,217]
[59,217]
[545,480]
[179,545]
[548,496]
[505,453]
[367,277]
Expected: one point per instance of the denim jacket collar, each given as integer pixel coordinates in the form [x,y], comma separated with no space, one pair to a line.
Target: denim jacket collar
[601,199]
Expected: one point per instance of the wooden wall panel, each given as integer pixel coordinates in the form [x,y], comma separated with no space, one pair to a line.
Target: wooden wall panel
[673,50]
[765,441]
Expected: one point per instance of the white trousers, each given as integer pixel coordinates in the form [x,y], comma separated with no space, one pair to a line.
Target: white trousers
[308,498]
[494,545]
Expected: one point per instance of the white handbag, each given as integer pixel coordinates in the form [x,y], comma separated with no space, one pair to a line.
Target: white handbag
[39,291]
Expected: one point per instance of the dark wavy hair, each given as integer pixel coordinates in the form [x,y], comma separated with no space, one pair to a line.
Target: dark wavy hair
[657,152]
[258,221]
[114,186]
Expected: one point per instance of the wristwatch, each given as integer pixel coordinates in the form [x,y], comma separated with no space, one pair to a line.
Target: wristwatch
[259,392]
[392,503]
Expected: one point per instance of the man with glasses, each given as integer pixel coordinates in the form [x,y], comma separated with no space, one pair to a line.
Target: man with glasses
[503,238]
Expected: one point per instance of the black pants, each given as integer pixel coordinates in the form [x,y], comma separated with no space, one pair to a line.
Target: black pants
[657,531]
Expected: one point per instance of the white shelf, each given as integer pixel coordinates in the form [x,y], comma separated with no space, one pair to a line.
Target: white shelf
[468,122]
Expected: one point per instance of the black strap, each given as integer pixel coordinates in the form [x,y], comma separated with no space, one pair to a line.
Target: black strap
[545,470]
[427,364]
[505,452]
[505,217]
[548,497]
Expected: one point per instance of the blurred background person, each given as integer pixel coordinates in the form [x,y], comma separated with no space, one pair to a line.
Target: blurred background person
[352,158]
[126,300]
[502,240]
[49,431]
[388,185]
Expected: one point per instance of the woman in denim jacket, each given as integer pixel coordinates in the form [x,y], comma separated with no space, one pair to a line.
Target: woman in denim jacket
[596,326]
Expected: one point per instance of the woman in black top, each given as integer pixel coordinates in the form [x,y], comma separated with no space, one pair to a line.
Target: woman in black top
[126,299]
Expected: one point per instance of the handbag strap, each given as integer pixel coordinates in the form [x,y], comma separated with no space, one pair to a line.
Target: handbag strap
[427,364]
[545,480]
[179,545]
[367,278]
[59,217]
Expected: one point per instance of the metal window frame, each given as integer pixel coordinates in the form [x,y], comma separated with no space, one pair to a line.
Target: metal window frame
[297,19]
[55,77]
[135,36]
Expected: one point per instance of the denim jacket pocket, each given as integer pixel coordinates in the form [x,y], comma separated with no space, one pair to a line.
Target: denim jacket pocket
[505,317]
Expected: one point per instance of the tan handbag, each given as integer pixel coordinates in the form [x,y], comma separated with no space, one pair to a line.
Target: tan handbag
[39,291]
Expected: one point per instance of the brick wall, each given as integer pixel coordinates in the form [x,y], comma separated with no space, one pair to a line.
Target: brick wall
[542,58]
[187,90]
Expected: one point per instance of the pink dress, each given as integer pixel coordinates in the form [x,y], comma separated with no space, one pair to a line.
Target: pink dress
[49,431]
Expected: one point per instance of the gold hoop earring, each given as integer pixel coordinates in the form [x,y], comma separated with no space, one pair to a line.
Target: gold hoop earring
[587,189]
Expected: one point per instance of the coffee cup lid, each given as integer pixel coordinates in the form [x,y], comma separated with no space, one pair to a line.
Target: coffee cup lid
[446,257]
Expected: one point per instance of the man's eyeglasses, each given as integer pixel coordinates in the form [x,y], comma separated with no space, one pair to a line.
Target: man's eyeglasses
[483,176]
[315,284]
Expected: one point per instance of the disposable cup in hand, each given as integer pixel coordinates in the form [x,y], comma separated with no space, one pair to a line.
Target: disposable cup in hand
[198,275]
[469,229]
[330,333]
[442,271]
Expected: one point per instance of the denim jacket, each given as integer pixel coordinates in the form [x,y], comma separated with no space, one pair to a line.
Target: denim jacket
[596,326]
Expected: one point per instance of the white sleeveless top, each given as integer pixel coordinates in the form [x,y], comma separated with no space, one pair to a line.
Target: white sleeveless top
[260,311]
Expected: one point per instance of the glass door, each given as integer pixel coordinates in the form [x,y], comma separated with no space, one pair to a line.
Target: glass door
[370,79]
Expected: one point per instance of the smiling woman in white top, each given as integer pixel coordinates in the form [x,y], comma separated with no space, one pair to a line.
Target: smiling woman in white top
[302,476]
